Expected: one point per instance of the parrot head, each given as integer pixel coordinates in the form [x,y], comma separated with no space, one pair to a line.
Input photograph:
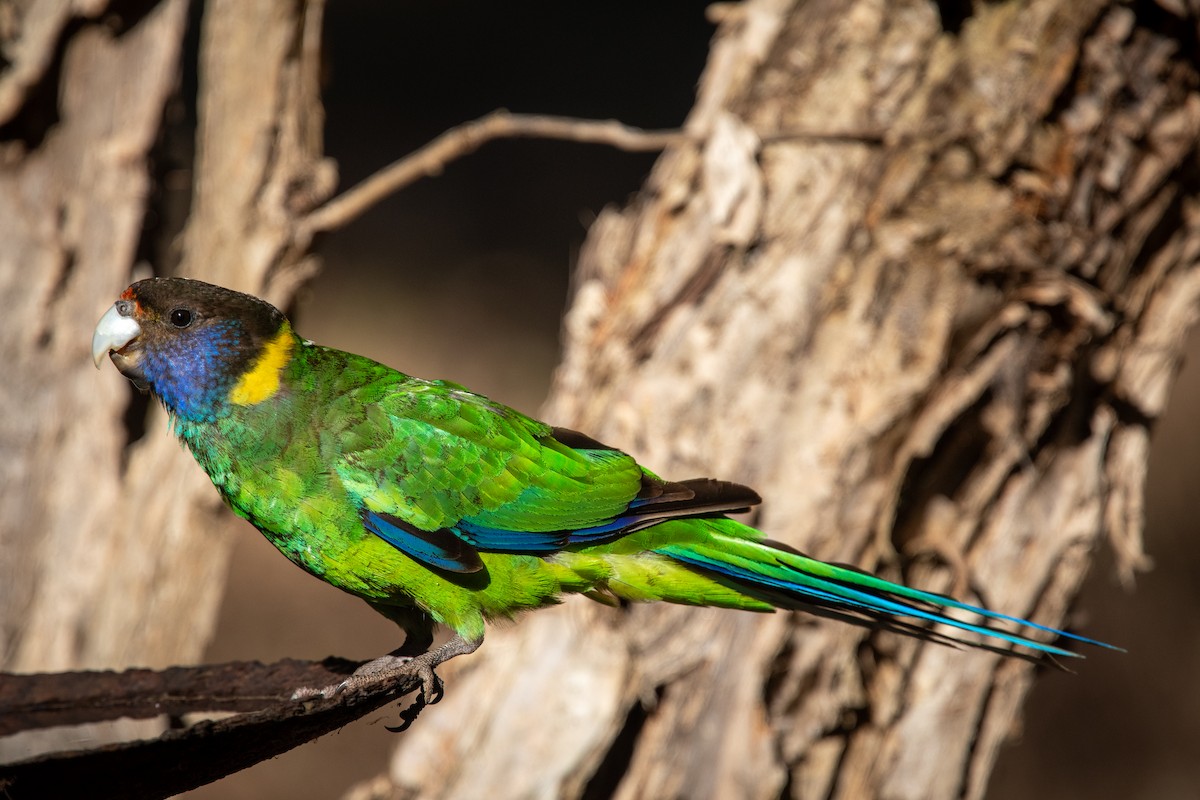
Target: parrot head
[190,343]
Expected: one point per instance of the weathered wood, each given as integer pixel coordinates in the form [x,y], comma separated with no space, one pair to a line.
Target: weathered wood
[934,346]
[42,700]
[185,756]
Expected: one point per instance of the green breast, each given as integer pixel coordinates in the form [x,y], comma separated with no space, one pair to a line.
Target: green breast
[274,463]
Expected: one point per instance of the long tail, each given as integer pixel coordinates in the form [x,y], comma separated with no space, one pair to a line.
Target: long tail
[738,556]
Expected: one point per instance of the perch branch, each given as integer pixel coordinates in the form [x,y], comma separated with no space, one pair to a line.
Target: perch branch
[270,723]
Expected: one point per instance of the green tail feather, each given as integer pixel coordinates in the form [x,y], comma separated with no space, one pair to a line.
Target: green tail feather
[789,579]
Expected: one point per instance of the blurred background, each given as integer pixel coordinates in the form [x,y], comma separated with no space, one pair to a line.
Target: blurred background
[465,276]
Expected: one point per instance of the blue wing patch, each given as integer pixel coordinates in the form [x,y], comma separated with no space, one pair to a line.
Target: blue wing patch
[545,542]
[441,549]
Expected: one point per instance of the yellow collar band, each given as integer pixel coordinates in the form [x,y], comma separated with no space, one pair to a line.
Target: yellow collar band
[262,380]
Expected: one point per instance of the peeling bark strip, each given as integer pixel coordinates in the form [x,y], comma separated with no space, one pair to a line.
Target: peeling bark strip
[936,354]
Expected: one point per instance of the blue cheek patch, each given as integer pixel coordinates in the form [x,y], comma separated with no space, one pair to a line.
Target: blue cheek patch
[188,372]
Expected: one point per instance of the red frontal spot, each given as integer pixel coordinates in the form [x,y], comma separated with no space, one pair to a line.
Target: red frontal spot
[129,294]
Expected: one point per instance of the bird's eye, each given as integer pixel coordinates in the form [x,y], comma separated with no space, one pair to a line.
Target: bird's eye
[181,318]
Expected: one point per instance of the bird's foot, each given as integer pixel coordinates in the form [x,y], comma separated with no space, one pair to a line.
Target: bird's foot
[387,667]
[393,666]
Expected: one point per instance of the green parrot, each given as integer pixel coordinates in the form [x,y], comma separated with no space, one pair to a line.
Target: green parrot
[440,506]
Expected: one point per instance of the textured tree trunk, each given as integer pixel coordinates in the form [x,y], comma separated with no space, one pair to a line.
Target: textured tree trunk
[921,275]
[934,343]
[113,547]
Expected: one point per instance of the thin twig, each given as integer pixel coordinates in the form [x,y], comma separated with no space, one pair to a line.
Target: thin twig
[469,137]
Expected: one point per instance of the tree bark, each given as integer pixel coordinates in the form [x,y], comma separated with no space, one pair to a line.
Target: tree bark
[73,187]
[113,548]
[111,551]
[924,282]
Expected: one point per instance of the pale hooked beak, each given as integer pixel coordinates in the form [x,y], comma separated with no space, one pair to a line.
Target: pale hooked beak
[115,329]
